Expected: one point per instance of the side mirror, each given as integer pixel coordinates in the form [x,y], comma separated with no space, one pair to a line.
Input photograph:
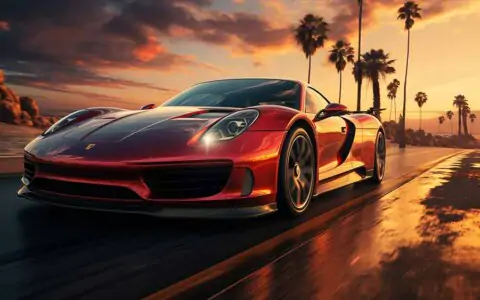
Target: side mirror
[332,109]
[148,106]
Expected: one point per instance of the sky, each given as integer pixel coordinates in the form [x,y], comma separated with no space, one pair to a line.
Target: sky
[71,54]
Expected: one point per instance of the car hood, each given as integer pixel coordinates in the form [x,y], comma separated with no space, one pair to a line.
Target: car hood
[163,131]
[162,122]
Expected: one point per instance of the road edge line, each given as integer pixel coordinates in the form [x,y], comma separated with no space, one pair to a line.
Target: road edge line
[235,261]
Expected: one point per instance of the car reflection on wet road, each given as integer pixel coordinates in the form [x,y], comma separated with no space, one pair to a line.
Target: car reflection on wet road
[48,253]
[421,241]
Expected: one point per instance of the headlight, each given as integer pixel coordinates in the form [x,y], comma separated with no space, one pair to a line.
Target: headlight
[70,119]
[231,126]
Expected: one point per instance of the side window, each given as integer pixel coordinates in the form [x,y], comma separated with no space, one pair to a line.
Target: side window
[314,102]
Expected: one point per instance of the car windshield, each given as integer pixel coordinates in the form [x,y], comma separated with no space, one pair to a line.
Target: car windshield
[240,93]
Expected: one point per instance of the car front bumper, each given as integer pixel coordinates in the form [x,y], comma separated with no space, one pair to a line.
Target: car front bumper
[148,207]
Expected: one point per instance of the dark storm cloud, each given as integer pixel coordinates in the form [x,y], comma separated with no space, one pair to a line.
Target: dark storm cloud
[70,42]
[61,43]
[253,31]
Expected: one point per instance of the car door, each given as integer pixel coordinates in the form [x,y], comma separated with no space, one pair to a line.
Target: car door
[331,134]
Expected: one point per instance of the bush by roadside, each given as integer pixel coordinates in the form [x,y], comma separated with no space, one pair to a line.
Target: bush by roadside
[421,138]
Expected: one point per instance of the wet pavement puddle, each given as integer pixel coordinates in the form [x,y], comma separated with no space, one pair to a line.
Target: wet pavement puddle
[422,241]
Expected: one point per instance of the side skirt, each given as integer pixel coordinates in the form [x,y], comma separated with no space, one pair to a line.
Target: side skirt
[339,181]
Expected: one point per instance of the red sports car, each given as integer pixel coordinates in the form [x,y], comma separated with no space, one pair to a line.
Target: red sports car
[220,149]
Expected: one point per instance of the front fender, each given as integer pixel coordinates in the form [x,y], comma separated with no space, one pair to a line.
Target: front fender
[277,118]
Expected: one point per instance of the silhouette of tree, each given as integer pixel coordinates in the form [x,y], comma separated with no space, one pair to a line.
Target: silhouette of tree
[472,117]
[459,101]
[441,120]
[421,98]
[392,95]
[376,64]
[311,35]
[341,54]
[408,12]
[465,113]
[450,115]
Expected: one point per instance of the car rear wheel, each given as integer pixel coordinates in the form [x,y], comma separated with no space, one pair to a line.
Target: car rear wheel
[296,173]
[380,159]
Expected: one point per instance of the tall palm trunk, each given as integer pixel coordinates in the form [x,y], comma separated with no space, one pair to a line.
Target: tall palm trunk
[390,114]
[340,92]
[451,127]
[403,140]
[465,125]
[395,106]
[459,120]
[309,67]
[420,118]
[376,97]
[359,83]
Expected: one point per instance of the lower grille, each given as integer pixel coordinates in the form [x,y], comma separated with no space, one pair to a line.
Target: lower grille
[83,189]
[83,172]
[187,182]
[28,169]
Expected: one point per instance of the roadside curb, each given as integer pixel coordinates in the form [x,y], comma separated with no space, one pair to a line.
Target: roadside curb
[231,264]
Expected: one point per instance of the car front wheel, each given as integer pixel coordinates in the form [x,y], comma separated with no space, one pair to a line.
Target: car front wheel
[296,173]
[380,159]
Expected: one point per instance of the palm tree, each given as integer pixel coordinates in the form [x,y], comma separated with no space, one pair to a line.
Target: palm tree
[459,101]
[472,119]
[408,12]
[450,115]
[341,54]
[392,95]
[441,120]
[376,64]
[421,98]
[357,69]
[311,34]
[465,112]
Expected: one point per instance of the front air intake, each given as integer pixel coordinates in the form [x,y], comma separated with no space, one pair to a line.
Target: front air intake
[182,182]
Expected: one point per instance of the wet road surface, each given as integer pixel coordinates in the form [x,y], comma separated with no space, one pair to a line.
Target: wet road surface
[48,253]
[421,241]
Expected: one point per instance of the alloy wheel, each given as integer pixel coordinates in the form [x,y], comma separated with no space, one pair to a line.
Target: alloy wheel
[300,172]
[381,154]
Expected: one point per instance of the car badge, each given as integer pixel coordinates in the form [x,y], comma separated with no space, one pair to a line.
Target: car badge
[89,146]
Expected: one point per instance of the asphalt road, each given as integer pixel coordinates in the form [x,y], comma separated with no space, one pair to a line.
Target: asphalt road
[48,253]
[421,241]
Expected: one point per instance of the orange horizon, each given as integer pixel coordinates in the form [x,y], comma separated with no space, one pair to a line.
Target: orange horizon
[434,68]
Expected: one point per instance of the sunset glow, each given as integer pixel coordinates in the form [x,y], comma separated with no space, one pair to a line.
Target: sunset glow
[92,54]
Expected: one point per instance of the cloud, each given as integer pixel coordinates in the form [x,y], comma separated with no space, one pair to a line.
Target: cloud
[71,42]
[344,25]
[241,32]
[40,76]
[60,44]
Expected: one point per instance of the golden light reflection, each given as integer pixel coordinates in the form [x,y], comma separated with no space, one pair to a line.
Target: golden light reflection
[401,214]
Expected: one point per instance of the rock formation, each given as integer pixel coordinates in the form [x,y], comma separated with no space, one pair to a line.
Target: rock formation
[21,111]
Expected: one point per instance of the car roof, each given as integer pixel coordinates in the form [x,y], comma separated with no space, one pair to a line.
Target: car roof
[252,78]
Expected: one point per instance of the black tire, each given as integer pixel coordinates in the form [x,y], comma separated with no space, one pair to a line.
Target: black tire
[297,173]
[380,159]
